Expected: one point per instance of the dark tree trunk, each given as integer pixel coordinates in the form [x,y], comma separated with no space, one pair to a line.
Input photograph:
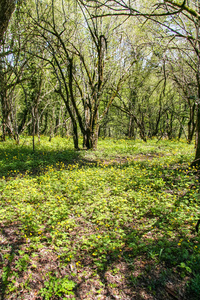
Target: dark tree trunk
[196,161]
[6,9]
[33,129]
[6,112]
[191,124]
[181,128]
[90,138]
[131,128]
[197,154]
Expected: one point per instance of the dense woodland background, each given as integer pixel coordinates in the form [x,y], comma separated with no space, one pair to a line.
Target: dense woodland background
[82,68]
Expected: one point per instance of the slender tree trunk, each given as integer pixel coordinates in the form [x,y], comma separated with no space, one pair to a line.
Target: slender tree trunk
[45,125]
[95,137]
[16,131]
[38,128]
[191,124]
[33,129]
[197,154]
[92,133]
[131,128]
[75,135]
[181,128]
[3,117]
[51,135]
[6,111]
[3,101]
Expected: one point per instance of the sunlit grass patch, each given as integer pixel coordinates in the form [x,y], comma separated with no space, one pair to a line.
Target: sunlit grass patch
[135,200]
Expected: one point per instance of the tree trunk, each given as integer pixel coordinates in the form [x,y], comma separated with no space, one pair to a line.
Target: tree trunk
[33,128]
[197,154]
[181,128]
[90,139]
[6,111]
[95,137]
[191,124]
[196,161]
[6,9]
[131,128]
[75,135]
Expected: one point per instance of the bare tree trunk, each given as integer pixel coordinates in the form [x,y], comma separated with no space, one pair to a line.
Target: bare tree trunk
[131,128]
[75,135]
[95,137]
[51,135]
[191,124]
[197,154]
[33,129]
[6,111]
[6,9]
[38,127]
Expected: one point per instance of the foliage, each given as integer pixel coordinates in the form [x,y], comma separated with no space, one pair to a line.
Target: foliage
[64,73]
[66,214]
[57,287]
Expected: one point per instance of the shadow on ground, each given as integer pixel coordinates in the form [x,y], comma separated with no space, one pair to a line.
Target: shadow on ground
[150,270]
[22,160]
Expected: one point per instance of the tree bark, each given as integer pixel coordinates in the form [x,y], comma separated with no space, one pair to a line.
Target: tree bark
[196,161]
[191,124]
[7,7]
[197,154]
[131,127]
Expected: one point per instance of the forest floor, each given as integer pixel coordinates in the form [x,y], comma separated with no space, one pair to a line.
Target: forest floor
[117,223]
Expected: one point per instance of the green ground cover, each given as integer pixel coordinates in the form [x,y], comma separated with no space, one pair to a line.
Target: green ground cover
[117,223]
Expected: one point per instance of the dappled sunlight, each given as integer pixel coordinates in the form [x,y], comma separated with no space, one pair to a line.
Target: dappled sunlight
[119,227]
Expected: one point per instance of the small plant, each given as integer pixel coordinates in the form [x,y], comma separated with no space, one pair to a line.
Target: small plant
[22,263]
[184,269]
[57,287]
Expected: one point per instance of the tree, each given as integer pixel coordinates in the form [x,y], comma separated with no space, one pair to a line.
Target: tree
[82,64]
[12,64]
[182,70]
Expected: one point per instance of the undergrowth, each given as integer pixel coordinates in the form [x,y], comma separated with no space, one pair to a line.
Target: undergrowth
[120,219]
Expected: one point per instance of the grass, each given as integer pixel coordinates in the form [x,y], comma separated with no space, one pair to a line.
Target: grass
[117,223]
